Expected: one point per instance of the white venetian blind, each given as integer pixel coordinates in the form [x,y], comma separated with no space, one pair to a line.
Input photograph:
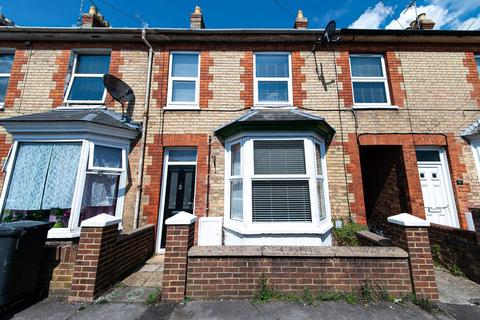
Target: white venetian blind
[281,201]
[279,157]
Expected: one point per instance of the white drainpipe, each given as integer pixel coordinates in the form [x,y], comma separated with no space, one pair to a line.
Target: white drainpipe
[146,107]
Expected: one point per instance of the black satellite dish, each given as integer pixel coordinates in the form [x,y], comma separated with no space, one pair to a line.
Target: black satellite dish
[329,33]
[119,90]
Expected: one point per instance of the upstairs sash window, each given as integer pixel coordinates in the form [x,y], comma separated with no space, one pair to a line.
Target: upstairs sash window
[273,79]
[6,61]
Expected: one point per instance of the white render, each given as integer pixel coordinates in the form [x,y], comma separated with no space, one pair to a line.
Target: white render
[102,220]
[181,218]
[210,231]
[408,220]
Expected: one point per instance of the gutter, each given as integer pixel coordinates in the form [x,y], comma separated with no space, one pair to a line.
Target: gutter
[146,108]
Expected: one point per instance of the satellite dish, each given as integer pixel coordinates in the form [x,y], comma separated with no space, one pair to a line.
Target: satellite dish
[119,90]
[329,33]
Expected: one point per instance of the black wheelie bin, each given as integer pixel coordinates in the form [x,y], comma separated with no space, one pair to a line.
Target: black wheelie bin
[21,247]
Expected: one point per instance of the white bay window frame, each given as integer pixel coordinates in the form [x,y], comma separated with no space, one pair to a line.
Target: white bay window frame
[183,105]
[383,79]
[84,168]
[246,226]
[73,75]
[256,79]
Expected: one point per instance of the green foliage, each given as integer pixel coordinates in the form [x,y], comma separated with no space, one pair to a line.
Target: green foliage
[423,303]
[330,296]
[187,299]
[264,293]
[446,260]
[346,235]
[153,297]
[308,296]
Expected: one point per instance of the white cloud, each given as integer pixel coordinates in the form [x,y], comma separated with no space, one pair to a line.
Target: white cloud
[447,14]
[471,24]
[372,18]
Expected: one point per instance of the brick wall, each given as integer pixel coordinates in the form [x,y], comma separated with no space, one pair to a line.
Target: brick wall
[104,257]
[214,274]
[56,271]
[457,247]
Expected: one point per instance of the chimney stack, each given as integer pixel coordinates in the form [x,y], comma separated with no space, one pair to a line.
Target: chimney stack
[196,19]
[300,22]
[5,22]
[423,23]
[94,19]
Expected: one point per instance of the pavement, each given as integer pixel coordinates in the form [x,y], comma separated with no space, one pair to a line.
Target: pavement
[459,299]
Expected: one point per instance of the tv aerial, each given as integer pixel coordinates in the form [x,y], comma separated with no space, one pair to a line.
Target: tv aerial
[118,89]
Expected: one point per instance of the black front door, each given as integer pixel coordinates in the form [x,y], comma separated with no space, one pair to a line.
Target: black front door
[179,193]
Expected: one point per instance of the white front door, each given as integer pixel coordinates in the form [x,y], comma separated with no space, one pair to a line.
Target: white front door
[436,187]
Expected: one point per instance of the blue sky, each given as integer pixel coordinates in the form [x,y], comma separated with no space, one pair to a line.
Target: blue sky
[448,14]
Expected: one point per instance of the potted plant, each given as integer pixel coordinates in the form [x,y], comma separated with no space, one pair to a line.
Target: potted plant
[58,215]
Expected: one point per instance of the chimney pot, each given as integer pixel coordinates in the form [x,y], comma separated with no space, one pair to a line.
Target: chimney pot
[300,22]
[422,23]
[196,19]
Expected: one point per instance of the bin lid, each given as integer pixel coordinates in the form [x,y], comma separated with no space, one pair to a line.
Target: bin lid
[15,228]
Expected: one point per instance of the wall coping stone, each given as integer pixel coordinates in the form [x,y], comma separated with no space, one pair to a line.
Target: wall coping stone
[102,220]
[375,238]
[408,220]
[297,251]
[181,218]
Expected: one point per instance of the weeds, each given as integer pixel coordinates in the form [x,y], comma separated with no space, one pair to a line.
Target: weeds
[346,235]
[446,261]
[423,303]
[153,297]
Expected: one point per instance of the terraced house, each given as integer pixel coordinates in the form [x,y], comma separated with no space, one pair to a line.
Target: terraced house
[272,140]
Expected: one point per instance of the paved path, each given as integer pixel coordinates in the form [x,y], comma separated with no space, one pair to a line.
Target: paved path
[57,310]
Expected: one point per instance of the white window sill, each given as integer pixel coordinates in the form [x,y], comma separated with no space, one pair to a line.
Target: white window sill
[272,105]
[82,106]
[181,107]
[374,107]
[278,228]
[62,233]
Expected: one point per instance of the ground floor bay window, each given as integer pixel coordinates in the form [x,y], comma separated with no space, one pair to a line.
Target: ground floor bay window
[66,166]
[63,182]
[276,189]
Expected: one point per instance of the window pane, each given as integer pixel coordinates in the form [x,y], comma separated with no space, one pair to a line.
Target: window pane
[318,156]
[183,91]
[369,92]
[6,61]
[87,89]
[273,91]
[427,155]
[93,63]
[320,198]
[272,65]
[236,200]
[279,157]
[182,155]
[184,65]
[3,88]
[236,168]
[477,59]
[99,195]
[280,201]
[43,182]
[107,157]
[366,66]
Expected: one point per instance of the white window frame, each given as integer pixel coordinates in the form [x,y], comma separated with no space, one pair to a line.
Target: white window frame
[383,79]
[183,105]
[256,79]
[477,62]
[72,230]
[74,75]
[5,75]
[247,226]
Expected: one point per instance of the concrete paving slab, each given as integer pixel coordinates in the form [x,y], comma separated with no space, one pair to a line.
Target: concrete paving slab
[111,311]
[456,290]
[48,309]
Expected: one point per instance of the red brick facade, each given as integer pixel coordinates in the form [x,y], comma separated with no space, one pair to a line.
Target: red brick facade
[206,78]
[17,75]
[298,79]
[473,77]
[246,78]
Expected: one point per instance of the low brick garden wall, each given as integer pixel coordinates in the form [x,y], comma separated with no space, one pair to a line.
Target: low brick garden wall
[231,272]
[457,247]
[234,272]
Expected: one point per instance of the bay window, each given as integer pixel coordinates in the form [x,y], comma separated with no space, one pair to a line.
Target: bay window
[275,183]
[64,182]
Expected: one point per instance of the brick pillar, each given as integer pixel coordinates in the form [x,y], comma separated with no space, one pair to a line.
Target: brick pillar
[90,276]
[180,238]
[411,234]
